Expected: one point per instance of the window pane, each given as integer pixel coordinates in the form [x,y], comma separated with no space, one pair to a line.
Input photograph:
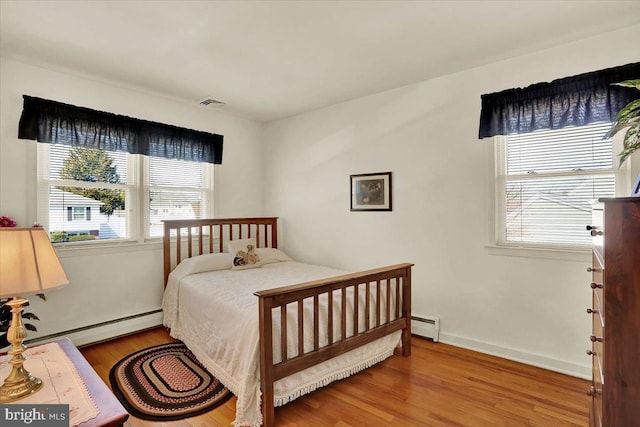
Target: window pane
[78,212]
[175,173]
[86,214]
[87,165]
[563,150]
[172,205]
[553,210]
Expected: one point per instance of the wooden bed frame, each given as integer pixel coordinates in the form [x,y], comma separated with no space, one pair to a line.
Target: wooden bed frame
[186,238]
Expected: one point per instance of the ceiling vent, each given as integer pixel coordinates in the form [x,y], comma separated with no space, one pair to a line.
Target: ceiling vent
[211,102]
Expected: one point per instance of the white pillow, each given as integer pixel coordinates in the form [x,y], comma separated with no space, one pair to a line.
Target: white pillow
[243,252]
[271,255]
[205,262]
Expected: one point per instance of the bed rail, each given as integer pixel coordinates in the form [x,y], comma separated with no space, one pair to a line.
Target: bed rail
[211,235]
[391,314]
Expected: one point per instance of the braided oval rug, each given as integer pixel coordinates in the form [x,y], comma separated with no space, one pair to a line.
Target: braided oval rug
[166,382]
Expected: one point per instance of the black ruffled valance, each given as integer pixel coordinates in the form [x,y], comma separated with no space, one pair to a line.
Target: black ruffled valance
[57,123]
[571,101]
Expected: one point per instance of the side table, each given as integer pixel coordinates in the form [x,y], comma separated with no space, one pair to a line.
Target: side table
[112,413]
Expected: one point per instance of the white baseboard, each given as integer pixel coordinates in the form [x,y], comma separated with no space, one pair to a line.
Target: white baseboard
[556,365]
[107,330]
[128,325]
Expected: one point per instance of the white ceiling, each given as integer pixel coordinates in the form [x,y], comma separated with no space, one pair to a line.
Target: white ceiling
[273,59]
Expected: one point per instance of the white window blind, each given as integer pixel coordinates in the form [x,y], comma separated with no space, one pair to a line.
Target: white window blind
[177,189]
[549,179]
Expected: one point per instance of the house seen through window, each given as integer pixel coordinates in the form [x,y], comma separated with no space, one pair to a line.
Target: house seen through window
[91,194]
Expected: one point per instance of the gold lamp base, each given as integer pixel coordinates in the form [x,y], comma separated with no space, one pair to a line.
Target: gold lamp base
[20,383]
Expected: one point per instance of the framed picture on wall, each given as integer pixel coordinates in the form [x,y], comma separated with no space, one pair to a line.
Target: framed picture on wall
[371,192]
[635,192]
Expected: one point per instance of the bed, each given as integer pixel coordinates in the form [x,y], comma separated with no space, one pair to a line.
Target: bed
[337,323]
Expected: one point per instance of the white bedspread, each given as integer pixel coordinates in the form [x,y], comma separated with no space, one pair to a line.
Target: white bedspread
[216,315]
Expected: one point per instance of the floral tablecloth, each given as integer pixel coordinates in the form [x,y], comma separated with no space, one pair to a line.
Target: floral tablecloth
[61,382]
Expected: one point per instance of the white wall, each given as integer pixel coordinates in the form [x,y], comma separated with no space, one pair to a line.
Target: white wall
[524,308]
[123,281]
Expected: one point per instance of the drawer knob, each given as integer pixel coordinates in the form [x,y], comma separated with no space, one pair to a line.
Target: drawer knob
[591,311]
[594,230]
[592,269]
[594,338]
[591,353]
[593,391]
[596,285]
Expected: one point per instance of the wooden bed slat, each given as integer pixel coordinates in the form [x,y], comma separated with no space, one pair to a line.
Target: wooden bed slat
[367,307]
[330,317]
[397,298]
[316,324]
[283,332]
[356,304]
[300,328]
[378,306]
[388,300]
[343,314]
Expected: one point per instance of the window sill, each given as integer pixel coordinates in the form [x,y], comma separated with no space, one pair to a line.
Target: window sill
[70,250]
[574,255]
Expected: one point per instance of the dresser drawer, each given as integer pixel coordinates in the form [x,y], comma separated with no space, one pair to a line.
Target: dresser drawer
[598,376]
[597,265]
[596,389]
[597,308]
[597,333]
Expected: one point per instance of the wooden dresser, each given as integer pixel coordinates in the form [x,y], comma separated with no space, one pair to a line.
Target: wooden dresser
[615,337]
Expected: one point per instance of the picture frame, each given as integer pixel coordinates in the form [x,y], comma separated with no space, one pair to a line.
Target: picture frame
[371,192]
[635,192]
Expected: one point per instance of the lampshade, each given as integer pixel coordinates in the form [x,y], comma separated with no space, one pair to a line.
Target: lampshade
[28,263]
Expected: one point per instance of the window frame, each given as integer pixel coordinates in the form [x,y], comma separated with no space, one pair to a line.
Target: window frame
[498,244]
[136,197]
[207,191]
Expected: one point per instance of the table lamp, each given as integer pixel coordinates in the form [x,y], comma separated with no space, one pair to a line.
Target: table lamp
[28,265]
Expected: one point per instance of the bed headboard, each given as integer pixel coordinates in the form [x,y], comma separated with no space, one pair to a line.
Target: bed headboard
[192,237]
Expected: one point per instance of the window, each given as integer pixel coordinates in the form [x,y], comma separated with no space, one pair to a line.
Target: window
[78,213]
[176,188]
[545,182]
[116,196]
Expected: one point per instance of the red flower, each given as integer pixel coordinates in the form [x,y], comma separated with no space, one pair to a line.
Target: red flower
[5,221]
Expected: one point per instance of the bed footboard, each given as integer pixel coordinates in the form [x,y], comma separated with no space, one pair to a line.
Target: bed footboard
[382,316]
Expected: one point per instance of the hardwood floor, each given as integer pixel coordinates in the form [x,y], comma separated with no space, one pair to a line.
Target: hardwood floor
[439,386]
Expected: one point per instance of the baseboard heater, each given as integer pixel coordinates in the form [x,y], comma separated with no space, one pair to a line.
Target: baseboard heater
[104,331]
[426,326]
